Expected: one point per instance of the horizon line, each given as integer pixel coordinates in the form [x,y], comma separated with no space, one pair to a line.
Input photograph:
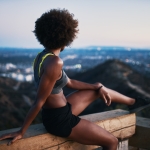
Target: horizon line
[84,47]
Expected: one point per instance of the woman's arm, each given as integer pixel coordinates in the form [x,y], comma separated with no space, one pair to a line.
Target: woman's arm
[47,81]
[78,85]
[101,89]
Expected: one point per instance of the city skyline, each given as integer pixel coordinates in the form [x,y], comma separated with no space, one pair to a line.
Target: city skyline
[101,23]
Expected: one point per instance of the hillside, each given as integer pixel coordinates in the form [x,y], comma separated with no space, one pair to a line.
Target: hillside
[17,97]
[118,76]
[15,100]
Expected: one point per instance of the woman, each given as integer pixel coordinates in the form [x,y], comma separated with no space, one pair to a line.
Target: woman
[56,29]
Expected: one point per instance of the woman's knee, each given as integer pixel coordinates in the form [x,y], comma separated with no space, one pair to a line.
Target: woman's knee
[131,101]
[113,142]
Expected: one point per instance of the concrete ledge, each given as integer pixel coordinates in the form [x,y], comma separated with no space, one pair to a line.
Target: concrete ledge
[118,122]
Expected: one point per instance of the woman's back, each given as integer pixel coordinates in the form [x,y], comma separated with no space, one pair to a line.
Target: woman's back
[56,97]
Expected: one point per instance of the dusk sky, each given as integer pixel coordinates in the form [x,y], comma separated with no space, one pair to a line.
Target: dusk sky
[101,22]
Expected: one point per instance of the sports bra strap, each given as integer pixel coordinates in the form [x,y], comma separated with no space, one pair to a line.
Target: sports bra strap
[43,58]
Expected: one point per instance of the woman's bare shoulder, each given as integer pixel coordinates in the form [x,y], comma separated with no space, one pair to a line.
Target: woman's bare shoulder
[53,64]
[53,61]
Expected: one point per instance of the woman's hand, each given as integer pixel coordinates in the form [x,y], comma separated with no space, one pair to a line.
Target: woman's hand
[14,135]
[105,95]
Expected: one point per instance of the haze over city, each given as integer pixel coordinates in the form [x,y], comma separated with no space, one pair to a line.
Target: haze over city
[101,23]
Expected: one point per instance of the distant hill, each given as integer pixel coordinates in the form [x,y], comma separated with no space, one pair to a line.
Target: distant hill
[17,97]
[114,74]
[15,100]
[118,76]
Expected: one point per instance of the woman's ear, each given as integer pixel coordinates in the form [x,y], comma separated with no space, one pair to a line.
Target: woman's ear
[62,48]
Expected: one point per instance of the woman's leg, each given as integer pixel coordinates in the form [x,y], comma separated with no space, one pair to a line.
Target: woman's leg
[82,98]
[89,133]
[86,132]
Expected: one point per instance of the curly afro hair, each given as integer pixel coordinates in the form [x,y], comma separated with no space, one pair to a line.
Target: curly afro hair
[56,28]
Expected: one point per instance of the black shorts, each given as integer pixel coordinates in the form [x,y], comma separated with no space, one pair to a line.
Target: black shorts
[59,121]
